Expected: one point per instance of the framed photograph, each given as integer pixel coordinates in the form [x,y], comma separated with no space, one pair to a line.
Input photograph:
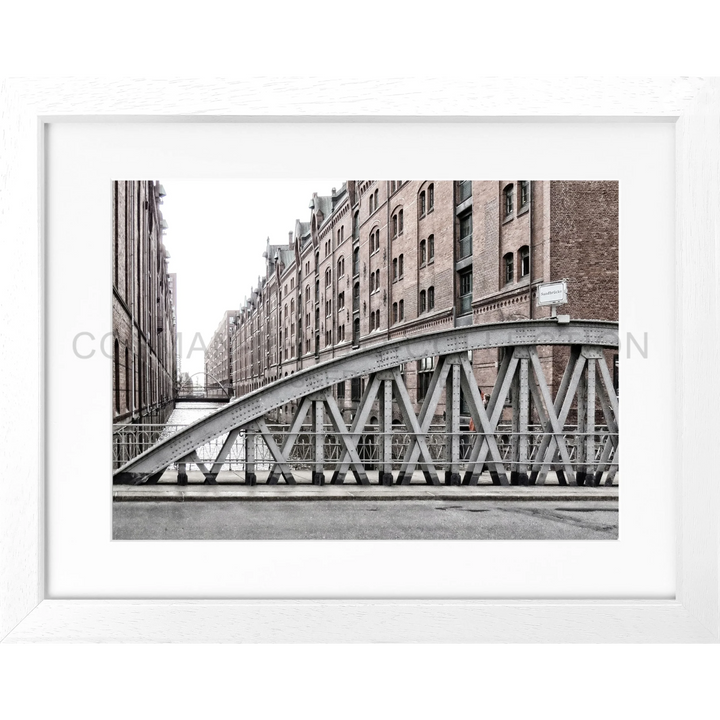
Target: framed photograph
[474,331]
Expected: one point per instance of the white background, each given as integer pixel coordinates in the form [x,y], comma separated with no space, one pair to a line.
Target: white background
[83,561]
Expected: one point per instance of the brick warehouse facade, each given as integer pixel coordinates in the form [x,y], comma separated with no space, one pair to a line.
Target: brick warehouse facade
[144,325]
[382,260]
[218,362]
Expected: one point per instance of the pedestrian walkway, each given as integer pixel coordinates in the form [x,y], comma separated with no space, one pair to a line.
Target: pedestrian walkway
[230,486]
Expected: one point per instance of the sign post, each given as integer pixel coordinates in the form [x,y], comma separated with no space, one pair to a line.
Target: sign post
[553,294]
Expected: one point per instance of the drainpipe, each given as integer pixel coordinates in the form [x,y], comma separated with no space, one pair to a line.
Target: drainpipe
[388,262]
[530,246]
[132,304]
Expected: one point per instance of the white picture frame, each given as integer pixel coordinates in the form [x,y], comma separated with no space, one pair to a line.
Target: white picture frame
[693,104]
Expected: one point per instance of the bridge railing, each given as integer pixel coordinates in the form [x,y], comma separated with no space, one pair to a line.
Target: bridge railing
[564,423]
[129,441]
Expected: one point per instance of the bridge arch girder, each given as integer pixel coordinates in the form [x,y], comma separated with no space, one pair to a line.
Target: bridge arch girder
[252,407]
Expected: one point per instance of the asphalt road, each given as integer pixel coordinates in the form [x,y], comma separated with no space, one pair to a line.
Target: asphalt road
[366,520]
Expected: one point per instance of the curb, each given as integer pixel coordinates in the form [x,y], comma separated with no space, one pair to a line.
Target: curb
[200,496]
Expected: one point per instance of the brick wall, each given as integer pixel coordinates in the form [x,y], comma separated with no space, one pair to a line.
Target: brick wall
[570,229]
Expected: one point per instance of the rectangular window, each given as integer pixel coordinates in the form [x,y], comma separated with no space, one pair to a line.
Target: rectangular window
[465,236]
[341,390]
[464,190]
[524,193]
[425,370]
[465,292]
[508,192]
[524,261]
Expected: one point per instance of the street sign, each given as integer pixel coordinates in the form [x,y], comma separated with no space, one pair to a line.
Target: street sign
[554,293]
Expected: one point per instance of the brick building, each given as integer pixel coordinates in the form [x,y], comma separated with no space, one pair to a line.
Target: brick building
[382,260]
[144,326]
[218,365]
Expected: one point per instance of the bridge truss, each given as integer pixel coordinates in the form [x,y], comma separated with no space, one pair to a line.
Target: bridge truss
[521,436]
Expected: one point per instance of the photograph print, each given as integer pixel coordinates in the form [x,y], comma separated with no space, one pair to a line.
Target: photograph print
[365,359]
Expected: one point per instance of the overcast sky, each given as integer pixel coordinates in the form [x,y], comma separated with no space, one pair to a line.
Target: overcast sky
[216,237]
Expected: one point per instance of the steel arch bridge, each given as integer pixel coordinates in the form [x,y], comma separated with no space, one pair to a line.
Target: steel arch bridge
[518,453]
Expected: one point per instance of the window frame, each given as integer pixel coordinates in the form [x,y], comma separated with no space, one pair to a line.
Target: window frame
[508,268]
[509,201]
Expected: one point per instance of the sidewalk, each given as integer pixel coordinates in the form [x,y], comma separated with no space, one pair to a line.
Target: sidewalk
[230,486]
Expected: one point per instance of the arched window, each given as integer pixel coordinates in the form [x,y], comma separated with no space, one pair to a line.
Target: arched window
[341,267]
[431,298]
[292,306]
[372,283]
[423,301]
[509,269]
[524,260]
[356,261]
[328,277]
[431,249]
[508,195]
[421,204]
[356,224]
[395,312]
[423,253]
[377,198]
[431,197]
[402,310]
[372,321]
[371,202]
[317,260]
[401,265]
[395,269]
[397,223]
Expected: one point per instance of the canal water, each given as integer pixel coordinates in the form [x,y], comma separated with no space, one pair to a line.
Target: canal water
[131,439]
[186,413]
